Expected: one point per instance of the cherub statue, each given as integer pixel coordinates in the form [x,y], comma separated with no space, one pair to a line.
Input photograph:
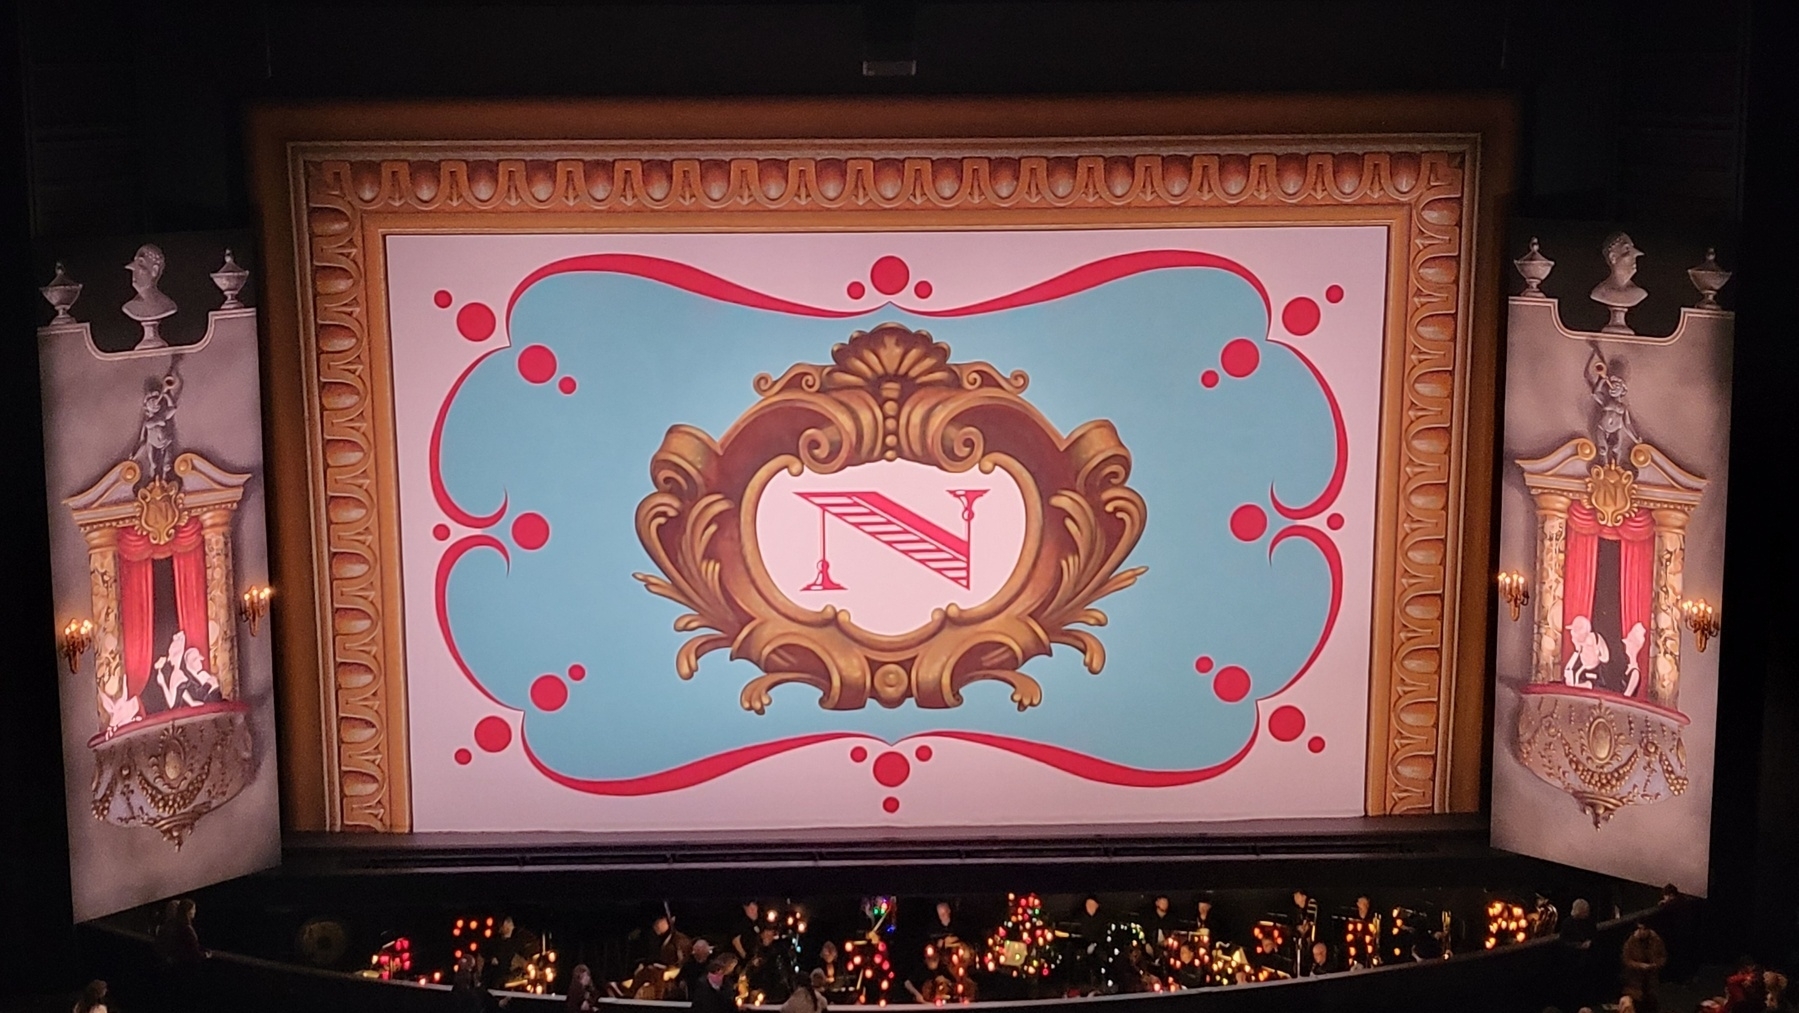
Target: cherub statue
[156,434]
[1610,392]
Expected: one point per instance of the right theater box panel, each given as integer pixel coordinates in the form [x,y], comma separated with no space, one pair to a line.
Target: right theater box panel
[1615,465]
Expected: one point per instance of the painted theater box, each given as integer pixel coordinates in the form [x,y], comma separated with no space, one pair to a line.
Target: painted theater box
[1617,428]
[153,445]
[751,486]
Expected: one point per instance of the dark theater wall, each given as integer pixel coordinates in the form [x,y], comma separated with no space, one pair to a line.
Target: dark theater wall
[129,118]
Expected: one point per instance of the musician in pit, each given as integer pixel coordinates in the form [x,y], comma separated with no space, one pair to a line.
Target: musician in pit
[1209,923]
[693,969]
[945,929]
[923,976]
[748,928]
[1159,922]
[827,965]
[1304,918]
[1318,961]
[1268,956]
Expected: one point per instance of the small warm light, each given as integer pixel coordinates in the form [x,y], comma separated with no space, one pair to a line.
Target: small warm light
[78,639]
[1514,591]
[253,605]
[1701,618]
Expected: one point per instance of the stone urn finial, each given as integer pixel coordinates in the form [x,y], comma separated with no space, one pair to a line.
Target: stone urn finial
[1708,278]
[1535,268]
[230,279]
[61,293]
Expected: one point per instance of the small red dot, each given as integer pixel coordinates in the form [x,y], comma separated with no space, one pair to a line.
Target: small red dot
[493,734]
[1208,379]
[1287,723]
[1315,744]
[442,298]
[536,364]
[1334,294]
[923,753]
[549,693]
[890,804]
[463,756]
[1249,522]
[577,672]
[889,275]
[476,321]
[1202,664]
[1231,683]
[891,769]
[441,532]
[1240,357]
[1334,522]
[530,531]
[922,290]
[856,290]
[566,385]
[858,754]
[1300,316]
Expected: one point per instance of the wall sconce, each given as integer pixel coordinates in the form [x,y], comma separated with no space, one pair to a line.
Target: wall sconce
[77,639]
[254,605]
[1514,591]
[1701,618]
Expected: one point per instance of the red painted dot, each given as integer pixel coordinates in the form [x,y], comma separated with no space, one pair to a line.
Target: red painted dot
[1240,357]
[566,385]
[922,290]
[530,531]
[1334,294]
[1315,744]
[1202,664]
[1208,379]
[923,753]
[1248,522]
[463,756]
[1334,522]
[889,275]
[858,754]
[549,693]
[537,364]
[577,672]
[1231,683]
[441,532]
[890,804]
[891,769]
[857,290]
[1287,723]
[442,298]
[475,321]
[493,734]
[1300,316]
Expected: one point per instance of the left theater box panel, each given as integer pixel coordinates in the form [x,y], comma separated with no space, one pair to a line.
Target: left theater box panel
[153,453]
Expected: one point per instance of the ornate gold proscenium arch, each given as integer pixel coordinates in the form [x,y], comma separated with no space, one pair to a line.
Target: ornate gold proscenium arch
[891,394]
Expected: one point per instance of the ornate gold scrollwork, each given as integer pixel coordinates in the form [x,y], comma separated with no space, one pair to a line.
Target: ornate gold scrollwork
[1607,754]
[1609,491]
[160,510]
[890,394]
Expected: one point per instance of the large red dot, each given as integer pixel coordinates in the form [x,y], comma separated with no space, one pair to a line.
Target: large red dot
[1300,316]
[442,298]
[1315,744]
[1248,522]
[1202,664]
[1240,357]
[1231,683]
[537,363]
[475,321]
[858,754]
[493,734]
[549,693]
[889,275]
[464,757]
[1287,723]
[577,672]
[530,531]
[890,804]
[1334,294]
[891,769]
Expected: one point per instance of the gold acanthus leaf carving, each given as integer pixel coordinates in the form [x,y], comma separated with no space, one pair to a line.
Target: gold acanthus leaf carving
[890,394]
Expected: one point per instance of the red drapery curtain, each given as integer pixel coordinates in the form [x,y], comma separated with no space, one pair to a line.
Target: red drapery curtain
[1636,588]
[137,597]
[1580,556]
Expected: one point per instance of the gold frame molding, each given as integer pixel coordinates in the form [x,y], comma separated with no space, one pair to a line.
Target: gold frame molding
[332,181]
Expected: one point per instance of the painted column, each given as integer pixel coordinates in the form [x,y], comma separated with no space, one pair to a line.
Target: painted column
[221,600]
[103,585]
[1552,547]
[1664,645]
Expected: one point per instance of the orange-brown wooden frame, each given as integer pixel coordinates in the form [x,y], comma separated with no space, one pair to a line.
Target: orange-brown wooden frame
[333,180]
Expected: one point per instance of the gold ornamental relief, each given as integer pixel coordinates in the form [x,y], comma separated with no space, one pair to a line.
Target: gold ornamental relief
[890,396]
[160,510]
[1610,490]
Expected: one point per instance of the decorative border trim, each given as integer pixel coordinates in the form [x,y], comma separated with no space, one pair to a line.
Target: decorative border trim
[346,195]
